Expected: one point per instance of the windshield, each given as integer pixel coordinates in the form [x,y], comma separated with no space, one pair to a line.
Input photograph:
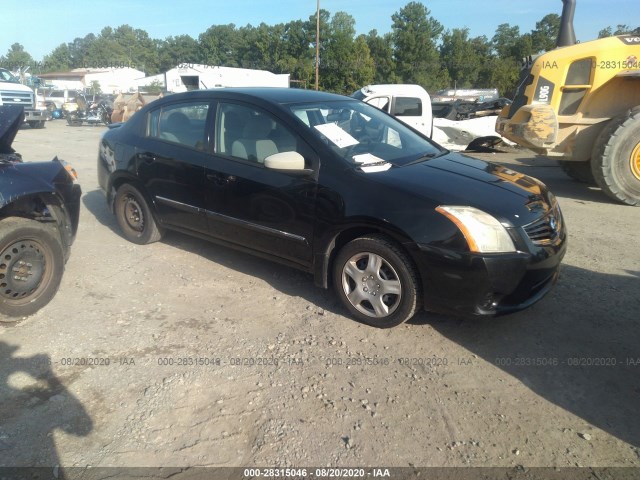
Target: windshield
[362,134]
[6,76]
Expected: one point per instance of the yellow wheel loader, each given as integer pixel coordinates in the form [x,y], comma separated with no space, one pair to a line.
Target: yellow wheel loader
[580,104]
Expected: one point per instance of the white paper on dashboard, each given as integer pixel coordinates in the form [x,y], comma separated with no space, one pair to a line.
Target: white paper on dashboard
[337,135]
[366,158]
[383,167]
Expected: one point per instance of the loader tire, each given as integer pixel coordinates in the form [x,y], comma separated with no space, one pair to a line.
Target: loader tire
[579,171]
[616,158]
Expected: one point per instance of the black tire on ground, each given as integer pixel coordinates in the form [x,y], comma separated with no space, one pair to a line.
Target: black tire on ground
[31,266]
[377,281]
[36,123]
[74,121]
[616,158]
[579,171]
[134,216]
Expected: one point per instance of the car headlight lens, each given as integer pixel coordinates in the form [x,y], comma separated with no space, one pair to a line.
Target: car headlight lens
[483,232]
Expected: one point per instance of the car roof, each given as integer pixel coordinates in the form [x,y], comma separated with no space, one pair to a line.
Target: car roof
[268,94]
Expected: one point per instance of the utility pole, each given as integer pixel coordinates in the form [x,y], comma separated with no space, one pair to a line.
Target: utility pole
[318,45]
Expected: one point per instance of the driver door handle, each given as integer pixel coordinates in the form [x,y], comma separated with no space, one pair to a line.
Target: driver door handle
[147,157]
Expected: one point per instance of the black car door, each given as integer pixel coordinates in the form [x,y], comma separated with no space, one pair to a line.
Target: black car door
[250,205]
[170,162]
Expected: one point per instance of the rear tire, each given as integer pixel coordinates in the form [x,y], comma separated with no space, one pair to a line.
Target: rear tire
[377,282]
[31,266]
[616,158]
[579,171]
[134,216]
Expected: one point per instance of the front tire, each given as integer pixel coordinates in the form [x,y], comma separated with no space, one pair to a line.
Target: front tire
[616,158]
[377,282]
[134,216]
[31,266]
[579,171]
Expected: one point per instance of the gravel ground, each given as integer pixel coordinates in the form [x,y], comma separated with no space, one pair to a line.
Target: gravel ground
[184,353]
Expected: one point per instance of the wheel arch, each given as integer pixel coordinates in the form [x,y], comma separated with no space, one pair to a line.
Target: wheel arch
[44,207]
[120,178]
[328,250]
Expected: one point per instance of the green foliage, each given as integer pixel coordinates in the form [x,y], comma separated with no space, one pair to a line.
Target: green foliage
[16,58]
[154,88]
[416,50]
[415,35]
[545,35]
[460,58]
[94,88]
[620,30]
[381,51]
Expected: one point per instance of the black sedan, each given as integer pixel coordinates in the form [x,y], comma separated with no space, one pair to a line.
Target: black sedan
[39,212]
[335,187]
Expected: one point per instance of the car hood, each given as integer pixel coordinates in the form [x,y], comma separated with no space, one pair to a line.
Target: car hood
[11,118]
[456,179]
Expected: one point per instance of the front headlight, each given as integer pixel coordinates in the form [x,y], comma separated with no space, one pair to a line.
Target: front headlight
[483,232]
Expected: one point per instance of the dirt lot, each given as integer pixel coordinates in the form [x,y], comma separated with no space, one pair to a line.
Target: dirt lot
[183,353]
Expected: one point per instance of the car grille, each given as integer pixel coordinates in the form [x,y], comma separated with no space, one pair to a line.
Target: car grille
[546,231]
[17,98]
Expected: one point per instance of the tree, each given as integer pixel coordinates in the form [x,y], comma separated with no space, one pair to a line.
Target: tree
[174,51]
[545,35]
[154,88]
[620,30]
[345,63]
[460,57]
[505,39]
[219,45]
[415,35]
[94,88]
[16,58]
[59,60]
[299,56]
[79,50]
[381,51]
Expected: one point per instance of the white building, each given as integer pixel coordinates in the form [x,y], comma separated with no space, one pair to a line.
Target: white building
[111,80]
[197,77]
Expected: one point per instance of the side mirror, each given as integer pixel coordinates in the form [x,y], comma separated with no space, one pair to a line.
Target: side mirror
[287,162]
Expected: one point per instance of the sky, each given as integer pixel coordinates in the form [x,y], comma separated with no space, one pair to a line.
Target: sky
[52,23]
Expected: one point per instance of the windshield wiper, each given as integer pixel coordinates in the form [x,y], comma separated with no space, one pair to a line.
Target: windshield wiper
[426,156]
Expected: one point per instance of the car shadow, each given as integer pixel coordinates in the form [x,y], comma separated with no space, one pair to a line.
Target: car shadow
[579,348]
[95,201]
[286,280]
[35,403]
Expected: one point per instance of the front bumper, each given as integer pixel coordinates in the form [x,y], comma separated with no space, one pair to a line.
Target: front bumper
[35,115]
[533,126]
[471,284]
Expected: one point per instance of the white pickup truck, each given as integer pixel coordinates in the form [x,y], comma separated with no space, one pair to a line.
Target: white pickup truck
[408,103]
[12,92]
[412,105]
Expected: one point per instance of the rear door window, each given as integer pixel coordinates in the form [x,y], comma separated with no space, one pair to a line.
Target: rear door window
[407,107]
[183,124]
